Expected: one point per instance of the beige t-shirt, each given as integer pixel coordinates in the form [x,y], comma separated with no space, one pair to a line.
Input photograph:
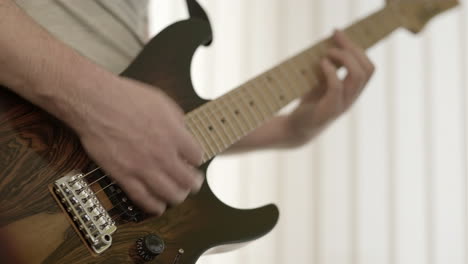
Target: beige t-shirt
[109,32]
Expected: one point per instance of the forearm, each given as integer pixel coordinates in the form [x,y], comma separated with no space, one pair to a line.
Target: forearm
[274,134]
[39,67]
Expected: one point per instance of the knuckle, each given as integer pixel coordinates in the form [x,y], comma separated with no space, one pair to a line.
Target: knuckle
[359,76]
[131,165]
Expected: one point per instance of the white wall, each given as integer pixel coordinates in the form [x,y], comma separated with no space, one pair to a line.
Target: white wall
[387,183]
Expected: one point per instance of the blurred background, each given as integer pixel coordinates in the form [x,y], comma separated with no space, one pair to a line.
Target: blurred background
[386,183]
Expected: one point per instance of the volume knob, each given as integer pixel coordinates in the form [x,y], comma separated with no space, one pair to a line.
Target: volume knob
[150,246]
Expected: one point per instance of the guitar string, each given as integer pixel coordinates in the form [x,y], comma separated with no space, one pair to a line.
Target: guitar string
[207,115]
[210,114]
[107,186]
[234,99]
[241,95]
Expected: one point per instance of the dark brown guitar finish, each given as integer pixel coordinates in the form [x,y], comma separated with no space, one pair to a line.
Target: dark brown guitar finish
[36,149]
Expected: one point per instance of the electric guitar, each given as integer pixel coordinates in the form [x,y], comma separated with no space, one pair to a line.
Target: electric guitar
[57,206]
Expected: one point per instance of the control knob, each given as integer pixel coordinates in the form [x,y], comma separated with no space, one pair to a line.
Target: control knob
[149,247]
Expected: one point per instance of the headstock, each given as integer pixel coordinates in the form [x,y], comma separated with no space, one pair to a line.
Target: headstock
[415,14]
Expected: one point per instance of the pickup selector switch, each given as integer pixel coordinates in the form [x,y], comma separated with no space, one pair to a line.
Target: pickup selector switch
[149,247]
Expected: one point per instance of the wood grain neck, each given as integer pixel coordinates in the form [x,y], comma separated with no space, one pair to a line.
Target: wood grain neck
[220,123]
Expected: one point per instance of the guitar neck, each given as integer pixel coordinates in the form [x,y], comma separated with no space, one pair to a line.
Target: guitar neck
[222,122]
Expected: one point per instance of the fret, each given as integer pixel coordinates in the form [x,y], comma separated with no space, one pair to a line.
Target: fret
[278,92]
[259,89]
[284,82]
[248,124]
[209,143]
[298,77]
[311,71]
[218,114]
[375,27]
[213,129]
[259,104]
[266,95]
[193,126]
[197,137]
[360,35]
[322,48]
[220,123]
[289,80]
[248,104]
[275,92]
[205,128]
[315,59]
[241,109]
[232,119]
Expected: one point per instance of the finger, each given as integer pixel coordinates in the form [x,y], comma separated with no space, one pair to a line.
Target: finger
[184,174]
[187,176]
[333,83]
[162,186]
[189,149]
[332,101]
[140,195]
[356,77]
[346,43]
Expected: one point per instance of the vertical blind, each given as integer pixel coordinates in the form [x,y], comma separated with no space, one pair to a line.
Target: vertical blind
[387,182]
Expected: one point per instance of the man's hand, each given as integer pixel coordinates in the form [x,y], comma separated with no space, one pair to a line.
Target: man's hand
[137,134]
[133,131]
[313,114]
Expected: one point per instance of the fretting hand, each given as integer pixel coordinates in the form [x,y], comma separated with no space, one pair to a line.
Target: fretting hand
[314,112]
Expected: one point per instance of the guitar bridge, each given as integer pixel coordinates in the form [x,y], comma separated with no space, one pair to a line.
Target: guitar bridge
[88,215]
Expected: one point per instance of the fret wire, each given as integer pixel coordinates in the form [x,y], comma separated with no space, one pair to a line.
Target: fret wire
[316,66]
[291,83]
[198,137]
[253,102]
[218,140]
[361,36]
[245,124]
[252,113]
[242,109]
[351,32]
[218,118]
[247,120]
[260,93]
[282,79]
[272,92]
[283,89]
[206,139]
[212,142]
[264,94]
[299,77]
[234,121]
[257,101]
[315,58]
[210,116]
[313,71]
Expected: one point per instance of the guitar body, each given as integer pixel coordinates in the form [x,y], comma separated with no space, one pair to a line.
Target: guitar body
[36,150]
